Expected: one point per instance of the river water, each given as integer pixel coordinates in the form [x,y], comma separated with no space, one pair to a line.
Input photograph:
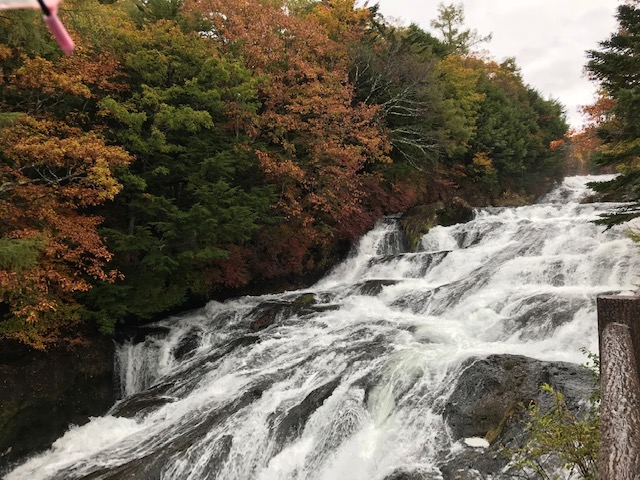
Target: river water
[351,379]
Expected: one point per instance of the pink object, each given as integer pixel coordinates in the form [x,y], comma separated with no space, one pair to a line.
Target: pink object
[53,22]
[59,33]
[9,4]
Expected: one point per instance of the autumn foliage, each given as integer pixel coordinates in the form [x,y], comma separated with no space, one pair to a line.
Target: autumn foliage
[208,147]
[51,172]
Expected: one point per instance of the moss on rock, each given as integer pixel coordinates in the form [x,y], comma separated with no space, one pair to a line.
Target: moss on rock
[417,221]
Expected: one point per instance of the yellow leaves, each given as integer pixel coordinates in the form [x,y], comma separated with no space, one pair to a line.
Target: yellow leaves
[76,163]
[482,164]
[49,171]
[341,19]
[40,84]
[5,52]
[38,73]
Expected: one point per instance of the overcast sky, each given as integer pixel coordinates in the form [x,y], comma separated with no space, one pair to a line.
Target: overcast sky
[548,38]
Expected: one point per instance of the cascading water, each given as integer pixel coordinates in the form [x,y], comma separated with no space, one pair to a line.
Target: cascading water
[348,379]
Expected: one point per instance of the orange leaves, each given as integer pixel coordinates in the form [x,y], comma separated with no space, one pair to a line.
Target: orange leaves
[318,141]
[42,83]
[556,144]
[75,164]
[38,73]
[49,170]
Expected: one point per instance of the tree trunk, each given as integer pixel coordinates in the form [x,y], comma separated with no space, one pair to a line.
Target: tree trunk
[618,327]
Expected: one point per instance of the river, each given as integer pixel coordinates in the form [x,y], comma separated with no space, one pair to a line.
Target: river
[348,379]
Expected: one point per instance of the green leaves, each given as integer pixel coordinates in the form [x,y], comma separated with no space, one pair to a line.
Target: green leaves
[615,66]
[18,254]
[558,438]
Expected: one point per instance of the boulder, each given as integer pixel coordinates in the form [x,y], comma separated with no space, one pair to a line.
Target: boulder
[489,399]
[417,221]
[402,474]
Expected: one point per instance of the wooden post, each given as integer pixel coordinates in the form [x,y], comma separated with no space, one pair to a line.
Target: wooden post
[624,310]
[620,409]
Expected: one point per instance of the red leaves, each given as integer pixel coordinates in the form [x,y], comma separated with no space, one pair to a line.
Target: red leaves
[314,143]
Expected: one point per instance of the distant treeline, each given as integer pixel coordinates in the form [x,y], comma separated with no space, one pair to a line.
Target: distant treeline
[191,148]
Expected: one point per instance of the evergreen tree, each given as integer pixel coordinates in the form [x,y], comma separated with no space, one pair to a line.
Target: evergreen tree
[616,66]
[450,23]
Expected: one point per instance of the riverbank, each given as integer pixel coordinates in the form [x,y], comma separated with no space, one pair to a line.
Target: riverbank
[42,393]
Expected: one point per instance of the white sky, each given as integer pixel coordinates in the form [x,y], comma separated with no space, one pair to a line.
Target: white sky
[548,38]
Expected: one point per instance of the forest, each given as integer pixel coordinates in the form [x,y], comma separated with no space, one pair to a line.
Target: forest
[198,149]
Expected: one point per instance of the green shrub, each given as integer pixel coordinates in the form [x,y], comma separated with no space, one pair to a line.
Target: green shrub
[560,443]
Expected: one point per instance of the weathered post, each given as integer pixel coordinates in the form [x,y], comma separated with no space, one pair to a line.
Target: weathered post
[618,327]
[624,310]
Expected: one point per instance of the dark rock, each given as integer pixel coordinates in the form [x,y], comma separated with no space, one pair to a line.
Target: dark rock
[455,211]
[306,299]
[291,425]
[139,333]
[490,388]
[150,467]
[542,314]
[268,313]
[374,287]
[140,404]
[411,475]
[469,464]
[43,393]
[187,345]
[488,402]
[417,222]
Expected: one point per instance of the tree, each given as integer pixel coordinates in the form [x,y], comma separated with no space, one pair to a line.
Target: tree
[50,172]
[615,66]
[315,144]
[450,23]
[196,192]
[396,70]
[515,128]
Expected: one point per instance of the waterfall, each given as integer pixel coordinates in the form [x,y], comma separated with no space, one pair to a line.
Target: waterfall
[348,379]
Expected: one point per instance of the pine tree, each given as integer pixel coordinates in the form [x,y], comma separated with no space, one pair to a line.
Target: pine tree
[616,66]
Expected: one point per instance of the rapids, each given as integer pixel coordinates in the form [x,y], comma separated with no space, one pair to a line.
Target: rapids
[350,379]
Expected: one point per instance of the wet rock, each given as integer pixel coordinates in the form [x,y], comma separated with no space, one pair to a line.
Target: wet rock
[43,393]
[540,315]
[187,345]
[417,222]
[455,211]
[292,423]
[151,466]
[469,464]
[463,474]
[374,287]
[139,333]
[490,388]
[412,475]
[488,399]
[268,313]
[141,404]
[306,299]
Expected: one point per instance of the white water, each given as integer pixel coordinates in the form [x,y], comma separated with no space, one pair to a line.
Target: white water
[381,349]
